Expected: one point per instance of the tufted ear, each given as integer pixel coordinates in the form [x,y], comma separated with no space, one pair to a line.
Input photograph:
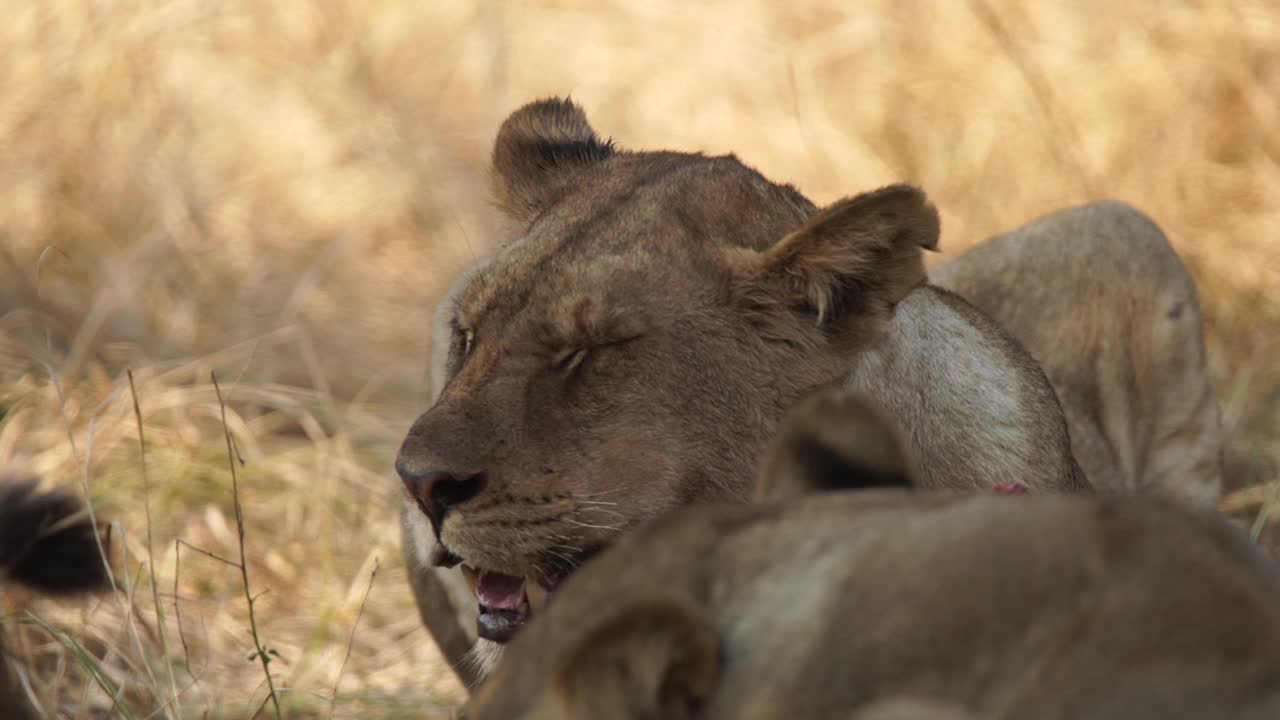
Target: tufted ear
[539,149]
[650,658]
[850,264]
[834,440]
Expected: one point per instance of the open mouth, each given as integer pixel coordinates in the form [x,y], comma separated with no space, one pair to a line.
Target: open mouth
[507,601]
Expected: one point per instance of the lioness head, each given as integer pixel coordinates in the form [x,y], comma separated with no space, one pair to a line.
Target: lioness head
[631,345]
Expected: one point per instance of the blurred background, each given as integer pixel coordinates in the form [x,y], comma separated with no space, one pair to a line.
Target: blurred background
[277,193]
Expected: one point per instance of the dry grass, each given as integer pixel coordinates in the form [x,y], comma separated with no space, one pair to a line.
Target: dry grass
[276,191]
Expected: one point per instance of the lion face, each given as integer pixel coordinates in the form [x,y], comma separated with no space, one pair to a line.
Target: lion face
[632,345]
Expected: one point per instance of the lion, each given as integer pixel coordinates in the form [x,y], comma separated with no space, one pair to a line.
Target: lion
[824,437]
[47,543]
[897,603]
[631,346]
[1099,298]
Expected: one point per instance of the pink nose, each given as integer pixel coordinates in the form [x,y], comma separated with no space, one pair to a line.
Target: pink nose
[436,491]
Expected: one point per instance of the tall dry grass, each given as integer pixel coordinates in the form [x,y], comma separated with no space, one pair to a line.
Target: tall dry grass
[277,192]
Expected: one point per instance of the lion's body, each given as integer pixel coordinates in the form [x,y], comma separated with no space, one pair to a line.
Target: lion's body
[1102,302]
[1100,299]
[631,347]
[901,603]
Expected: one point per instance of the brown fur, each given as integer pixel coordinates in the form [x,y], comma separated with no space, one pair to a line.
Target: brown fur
[1101,300]
[907,708]
[834,441]
[907,604]
[632,345]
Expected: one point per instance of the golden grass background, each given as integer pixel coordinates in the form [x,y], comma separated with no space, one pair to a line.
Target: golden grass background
[278,191]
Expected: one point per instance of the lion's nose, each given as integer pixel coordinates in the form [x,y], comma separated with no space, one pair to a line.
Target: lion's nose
[438,490]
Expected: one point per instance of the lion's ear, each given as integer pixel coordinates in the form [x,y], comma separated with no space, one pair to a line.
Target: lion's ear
[834,440]
[654,657]
[539,148]
[851,263]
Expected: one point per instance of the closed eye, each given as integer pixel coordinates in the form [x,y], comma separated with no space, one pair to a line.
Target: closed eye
[569,360]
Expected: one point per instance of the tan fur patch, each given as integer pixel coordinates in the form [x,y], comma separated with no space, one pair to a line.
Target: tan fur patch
[1100,299]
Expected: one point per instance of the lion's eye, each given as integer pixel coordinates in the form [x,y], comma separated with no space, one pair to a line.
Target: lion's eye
[468,339]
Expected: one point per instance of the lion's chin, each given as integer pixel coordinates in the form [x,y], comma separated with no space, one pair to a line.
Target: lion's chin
[506,601]
[484,657]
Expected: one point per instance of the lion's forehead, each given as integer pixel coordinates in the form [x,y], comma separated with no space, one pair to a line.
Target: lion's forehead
[570,290]
[645,224]
[539,278]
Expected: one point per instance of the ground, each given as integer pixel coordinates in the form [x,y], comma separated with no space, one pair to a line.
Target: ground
[277,193]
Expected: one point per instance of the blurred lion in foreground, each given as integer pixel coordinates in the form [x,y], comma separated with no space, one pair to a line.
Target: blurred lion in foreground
[881,604]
